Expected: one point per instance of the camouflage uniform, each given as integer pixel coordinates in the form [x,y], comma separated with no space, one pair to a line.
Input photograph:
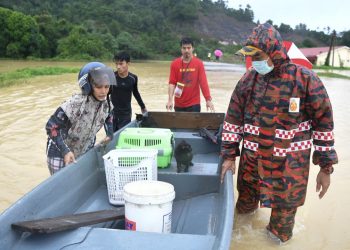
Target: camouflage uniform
[279,116]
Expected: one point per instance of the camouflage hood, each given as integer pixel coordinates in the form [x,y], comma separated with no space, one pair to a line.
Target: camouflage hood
[268,39]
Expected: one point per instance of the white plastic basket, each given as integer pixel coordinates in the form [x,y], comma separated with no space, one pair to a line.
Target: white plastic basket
[127,165]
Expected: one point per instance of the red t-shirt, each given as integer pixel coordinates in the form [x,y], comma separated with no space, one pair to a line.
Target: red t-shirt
[192,75]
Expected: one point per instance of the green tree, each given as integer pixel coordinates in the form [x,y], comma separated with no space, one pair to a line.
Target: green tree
[245,15]
[185,10]
[20,35]
[301,29]
[81,45]
[4,32]
[345,40]
[126,42]
[52,30]
[154,27]
[307,43]
[285,28]
[248,13]
[221,4]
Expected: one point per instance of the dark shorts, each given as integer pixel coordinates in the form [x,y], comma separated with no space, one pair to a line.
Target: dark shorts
[120,121]
[194,108]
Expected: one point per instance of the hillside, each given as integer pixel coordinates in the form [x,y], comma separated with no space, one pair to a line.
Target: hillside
[223,28]
[229,30]
[146,28]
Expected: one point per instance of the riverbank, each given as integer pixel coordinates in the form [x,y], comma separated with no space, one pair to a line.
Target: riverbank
[16,72]
[17,76]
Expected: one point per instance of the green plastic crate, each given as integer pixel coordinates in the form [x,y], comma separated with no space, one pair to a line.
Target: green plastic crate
[158,138]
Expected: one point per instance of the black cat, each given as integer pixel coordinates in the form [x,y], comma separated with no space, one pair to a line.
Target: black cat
[145,121]
[183,155]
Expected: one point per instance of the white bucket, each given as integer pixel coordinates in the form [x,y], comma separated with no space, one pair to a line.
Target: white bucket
[148,206]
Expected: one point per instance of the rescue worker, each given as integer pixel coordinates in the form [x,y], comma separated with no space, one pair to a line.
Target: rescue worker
[279,110]
[73,127]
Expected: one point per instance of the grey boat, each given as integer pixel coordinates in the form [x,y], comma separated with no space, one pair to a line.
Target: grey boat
[202,215]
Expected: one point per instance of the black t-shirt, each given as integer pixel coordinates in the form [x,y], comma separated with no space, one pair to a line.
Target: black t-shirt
[121,94]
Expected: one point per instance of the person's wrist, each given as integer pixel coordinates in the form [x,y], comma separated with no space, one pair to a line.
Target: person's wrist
[65,152]
[327,169]
[209,99]
[230,158]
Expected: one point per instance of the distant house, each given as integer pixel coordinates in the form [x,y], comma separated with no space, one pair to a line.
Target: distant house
[318,56]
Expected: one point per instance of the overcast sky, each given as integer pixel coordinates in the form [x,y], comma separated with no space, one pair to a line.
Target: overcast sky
[316,14]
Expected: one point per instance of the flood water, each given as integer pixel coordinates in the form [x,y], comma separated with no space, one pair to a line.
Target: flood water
[25,109]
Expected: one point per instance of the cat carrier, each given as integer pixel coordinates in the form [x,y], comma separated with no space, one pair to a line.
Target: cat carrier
[159,138]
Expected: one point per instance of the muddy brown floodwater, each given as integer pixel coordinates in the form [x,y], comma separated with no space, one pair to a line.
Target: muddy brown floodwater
[24,110]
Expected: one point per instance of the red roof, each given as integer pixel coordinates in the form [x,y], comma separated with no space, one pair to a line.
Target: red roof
[310,52]
[293,53]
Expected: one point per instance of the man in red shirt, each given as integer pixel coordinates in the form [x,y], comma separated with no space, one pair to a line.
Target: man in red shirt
[187,75]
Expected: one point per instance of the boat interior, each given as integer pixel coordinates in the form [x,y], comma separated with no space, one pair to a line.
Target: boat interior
[199,211]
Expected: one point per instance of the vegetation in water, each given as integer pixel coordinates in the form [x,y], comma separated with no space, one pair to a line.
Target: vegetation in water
[14,77]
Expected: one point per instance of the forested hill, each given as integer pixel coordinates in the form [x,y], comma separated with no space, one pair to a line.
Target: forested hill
[83,29]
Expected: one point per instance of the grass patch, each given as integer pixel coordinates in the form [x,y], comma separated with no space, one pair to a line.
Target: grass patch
[329,67]
[11,78]
[333,75]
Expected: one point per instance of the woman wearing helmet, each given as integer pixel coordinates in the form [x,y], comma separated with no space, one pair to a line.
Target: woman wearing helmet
[73,127]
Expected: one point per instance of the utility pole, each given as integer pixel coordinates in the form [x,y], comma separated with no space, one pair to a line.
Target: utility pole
[331,47]
[334,34]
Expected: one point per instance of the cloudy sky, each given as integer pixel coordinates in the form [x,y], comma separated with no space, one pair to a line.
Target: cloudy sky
[316,14]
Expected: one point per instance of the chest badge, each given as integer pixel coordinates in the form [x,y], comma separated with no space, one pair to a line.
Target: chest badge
[294,104]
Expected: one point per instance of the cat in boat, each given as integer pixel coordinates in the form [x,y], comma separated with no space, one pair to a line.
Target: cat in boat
[183,155]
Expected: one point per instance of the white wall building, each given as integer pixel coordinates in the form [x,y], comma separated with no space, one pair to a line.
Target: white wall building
[340,57]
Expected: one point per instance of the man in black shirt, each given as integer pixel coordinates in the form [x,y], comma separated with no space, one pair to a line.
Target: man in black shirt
[121,93]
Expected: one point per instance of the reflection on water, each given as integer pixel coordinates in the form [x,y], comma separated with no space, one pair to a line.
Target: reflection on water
[25,109]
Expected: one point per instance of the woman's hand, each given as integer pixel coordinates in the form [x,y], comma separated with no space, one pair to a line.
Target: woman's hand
[105,141]
[69,158]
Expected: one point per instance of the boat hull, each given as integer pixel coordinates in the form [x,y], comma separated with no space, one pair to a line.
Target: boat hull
[202,210]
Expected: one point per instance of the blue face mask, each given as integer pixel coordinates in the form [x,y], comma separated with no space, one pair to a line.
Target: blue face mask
[262,67]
